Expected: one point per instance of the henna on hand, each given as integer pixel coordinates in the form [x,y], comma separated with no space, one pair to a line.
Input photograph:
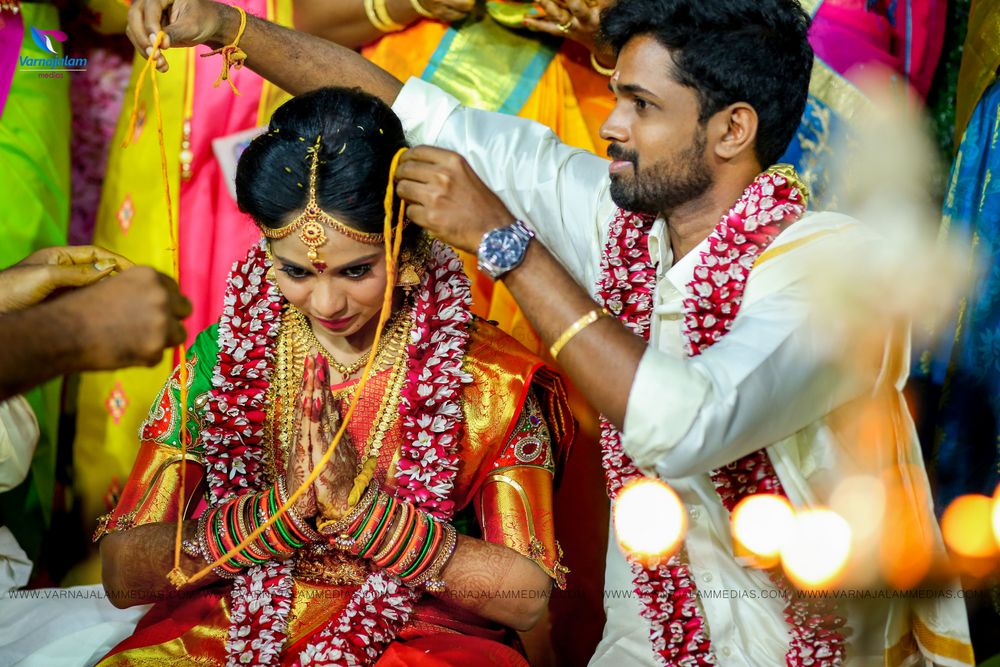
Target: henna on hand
[299,464]
[337,478]
[495,582]
[479,570]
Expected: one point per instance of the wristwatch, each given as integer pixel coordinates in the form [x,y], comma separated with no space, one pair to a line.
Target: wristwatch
[503,249]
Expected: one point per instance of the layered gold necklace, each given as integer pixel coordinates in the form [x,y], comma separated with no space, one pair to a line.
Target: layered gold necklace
[295,340]
[304,328]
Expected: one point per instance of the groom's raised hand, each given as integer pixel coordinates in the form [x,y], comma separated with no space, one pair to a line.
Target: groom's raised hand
[446,197]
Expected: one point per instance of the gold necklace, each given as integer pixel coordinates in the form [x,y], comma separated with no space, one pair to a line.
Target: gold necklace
[294,345]
[347,370]
[281,395]
[388,410]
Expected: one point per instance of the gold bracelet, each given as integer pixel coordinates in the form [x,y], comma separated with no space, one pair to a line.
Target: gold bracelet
[419,8]
[599,68]
[431,579]
[334,527]
[574,329]
[369,6]
[378,16]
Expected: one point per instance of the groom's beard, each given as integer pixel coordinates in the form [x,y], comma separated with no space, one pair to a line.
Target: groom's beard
[664,185]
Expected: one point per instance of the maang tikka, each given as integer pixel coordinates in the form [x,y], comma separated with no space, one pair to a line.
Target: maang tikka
[310,223]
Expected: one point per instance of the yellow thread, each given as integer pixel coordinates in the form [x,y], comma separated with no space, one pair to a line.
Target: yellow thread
[175,575]
[232,54]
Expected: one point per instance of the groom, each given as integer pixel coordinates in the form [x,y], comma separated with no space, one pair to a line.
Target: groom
[707,363]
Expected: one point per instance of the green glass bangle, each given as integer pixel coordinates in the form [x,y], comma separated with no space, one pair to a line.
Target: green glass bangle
[378,528]
[226,562]
[402,548]
[227,515]
[255,508]
[239,507]
[272,503]
[423,551]
[231,522]
[364,522]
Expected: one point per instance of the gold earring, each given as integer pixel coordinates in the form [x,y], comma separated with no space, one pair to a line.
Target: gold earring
[408,277]
[270,275]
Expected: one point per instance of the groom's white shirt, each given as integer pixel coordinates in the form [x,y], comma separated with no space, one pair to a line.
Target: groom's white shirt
[771,382]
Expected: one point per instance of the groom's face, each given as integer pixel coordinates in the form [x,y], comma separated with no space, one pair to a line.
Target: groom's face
[658,145]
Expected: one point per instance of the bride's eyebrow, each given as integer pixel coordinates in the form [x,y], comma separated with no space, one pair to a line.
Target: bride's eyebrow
[367,259]
[356,262]
[291,264]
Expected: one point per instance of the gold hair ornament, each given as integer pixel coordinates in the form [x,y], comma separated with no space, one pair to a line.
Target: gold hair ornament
[310,223]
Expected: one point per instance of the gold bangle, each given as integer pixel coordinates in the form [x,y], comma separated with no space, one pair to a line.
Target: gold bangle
[369,6]
[599,68]
[431,578]
[336,526]
[373,16]
[419,8]
[378,16]
[574,329]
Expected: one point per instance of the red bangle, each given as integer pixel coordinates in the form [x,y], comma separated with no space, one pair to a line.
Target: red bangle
[228,532]
[396,550]
[217,541]
[363,538]
[381,529]
[414,545]
[435,535]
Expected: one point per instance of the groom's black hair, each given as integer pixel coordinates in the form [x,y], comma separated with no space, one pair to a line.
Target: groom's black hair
[753,51]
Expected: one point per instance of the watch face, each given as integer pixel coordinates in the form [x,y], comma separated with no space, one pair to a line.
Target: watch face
[505,249]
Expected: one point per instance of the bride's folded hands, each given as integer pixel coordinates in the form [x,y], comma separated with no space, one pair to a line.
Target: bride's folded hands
[318,421]
[333,486]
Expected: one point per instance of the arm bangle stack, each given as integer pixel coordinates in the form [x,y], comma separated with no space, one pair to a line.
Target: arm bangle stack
[224,526]
[575,328]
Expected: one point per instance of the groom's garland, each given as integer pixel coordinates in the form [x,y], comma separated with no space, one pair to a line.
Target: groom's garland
[628,278]
[431,425]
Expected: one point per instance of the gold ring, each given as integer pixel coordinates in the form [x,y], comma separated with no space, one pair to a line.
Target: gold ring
[564,27]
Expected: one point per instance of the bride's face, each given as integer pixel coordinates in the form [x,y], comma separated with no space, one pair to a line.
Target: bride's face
[346,295]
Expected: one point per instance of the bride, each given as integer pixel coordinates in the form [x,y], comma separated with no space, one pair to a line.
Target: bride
[450,548]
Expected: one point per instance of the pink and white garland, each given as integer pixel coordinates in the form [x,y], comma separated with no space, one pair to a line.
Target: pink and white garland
[628,279]
[431,425]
